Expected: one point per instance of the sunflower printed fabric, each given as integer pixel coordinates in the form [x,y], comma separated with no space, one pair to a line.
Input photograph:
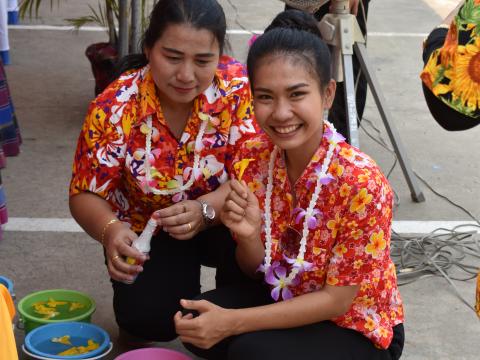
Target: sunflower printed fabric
[110,156]
[452,72]
[350,243]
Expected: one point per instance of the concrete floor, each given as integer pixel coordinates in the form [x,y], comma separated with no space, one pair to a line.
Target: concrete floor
[51,86]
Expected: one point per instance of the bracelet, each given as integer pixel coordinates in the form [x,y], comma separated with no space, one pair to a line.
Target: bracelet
[102,237]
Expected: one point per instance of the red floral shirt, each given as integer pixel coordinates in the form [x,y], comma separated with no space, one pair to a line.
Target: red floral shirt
[350,243]
[110,155]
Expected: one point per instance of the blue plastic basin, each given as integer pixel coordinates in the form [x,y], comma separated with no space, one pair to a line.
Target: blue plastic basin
[39,340]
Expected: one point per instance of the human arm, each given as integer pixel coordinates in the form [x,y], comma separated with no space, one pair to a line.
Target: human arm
[241,214]
[216,323]
[97,169]
[96,217]
[451,16]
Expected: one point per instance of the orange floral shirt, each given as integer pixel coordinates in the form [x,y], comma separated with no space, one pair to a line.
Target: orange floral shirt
[110,156]
[350,243]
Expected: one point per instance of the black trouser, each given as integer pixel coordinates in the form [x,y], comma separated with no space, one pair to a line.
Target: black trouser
[338,115]
[323,340]
[146,308]
[446,117]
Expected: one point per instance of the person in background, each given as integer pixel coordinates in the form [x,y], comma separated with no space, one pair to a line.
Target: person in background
[159,141]
[337,115]
[451,73]
[312,213]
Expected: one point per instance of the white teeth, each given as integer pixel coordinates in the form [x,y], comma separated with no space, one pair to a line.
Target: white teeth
[286,129]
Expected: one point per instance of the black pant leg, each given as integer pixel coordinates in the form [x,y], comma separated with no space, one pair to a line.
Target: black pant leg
[324,340]
[218,250]
[146,308]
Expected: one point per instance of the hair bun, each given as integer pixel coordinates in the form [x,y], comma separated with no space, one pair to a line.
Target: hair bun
[295,19]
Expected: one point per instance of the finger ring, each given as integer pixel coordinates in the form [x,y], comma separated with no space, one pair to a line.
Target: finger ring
[115,257]
[189,227]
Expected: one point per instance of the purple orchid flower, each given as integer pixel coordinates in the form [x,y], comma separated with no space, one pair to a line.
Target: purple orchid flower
[324,179]
[302,264]
[277,278]
[334,136]
[312,220]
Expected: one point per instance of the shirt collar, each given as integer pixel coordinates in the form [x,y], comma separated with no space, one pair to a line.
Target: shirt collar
[149,104]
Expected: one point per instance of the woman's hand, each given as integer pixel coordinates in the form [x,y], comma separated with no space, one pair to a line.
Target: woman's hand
[212,325]
[118,240]
[182,220]
[241,212]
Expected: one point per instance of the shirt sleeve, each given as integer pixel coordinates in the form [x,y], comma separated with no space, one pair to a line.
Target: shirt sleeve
[363,239]
[100,153]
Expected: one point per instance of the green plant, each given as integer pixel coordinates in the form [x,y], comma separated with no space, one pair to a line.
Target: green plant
[106,15]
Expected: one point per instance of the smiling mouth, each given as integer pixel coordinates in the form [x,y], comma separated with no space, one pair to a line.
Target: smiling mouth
[285,130]
[183,90]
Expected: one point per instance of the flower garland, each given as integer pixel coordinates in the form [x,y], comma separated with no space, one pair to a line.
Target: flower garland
[196,161]
[299,263]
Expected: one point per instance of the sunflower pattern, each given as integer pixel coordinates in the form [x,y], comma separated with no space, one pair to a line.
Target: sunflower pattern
[110,155]
[350,243]
[452,72]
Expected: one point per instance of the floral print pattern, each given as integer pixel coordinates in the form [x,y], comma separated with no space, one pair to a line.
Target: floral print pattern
[452,72]
[110,156]
[349,241]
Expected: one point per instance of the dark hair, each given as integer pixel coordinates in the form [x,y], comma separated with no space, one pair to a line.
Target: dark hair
[201,14]
[295,33]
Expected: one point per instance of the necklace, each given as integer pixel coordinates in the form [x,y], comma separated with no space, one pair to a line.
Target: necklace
[196,160]
[298,264]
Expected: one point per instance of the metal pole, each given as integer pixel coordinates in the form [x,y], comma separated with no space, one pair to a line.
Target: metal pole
[136,26]
[123,28]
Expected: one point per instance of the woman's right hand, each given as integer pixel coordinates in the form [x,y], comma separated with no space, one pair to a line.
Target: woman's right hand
[118,246]
[241,212]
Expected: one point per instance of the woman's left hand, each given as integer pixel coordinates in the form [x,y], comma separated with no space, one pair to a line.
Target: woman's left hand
[212,325]
[182,220]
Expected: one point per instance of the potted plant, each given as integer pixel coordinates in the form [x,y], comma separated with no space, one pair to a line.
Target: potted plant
[104,55]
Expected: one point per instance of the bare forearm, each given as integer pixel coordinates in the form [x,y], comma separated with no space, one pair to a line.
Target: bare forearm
[91,212]
[302,310]
[249,255]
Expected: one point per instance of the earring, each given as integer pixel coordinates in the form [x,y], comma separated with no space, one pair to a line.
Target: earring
[325,114]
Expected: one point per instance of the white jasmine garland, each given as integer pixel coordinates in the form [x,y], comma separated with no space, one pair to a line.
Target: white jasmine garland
[333,140]
[196,161]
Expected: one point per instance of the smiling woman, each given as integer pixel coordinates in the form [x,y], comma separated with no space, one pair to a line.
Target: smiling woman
[158,143]
[311,218]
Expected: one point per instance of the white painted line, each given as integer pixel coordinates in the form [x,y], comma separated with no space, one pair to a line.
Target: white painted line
[69,225]
[230,32]
[426,227]
[42,224]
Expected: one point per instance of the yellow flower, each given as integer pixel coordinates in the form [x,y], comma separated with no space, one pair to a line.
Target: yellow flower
[335,225]
[340,249]
[357,264]
[316,250]
[363,178]
[332,280]
[347,153]
[465,75]
[357,233]
[377,244]
[345,190]
[254,185]
[370,324]
[383,332]
[372,221]
[336,169]
[241,166]
[352,224]
[360,200]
